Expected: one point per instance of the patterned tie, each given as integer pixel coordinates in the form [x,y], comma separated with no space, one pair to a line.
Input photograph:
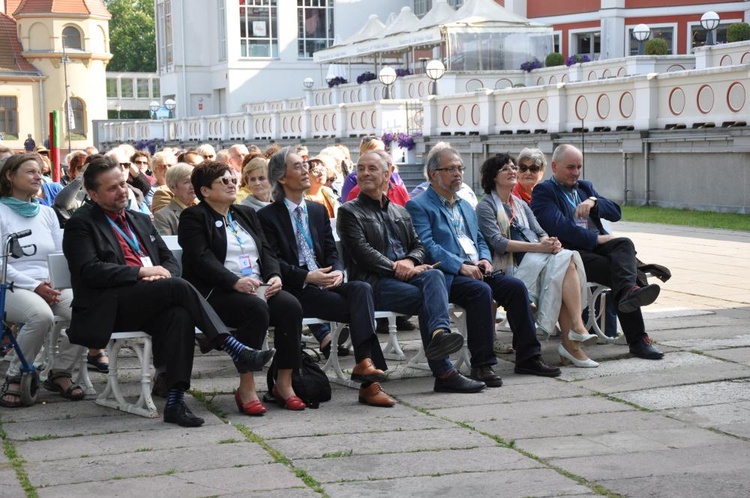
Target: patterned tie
[303,241]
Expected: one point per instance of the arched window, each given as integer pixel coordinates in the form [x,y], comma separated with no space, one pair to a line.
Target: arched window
[78,117]
[72,38]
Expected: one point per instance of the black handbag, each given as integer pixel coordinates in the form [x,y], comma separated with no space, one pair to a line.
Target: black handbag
[523,234]
[309,382]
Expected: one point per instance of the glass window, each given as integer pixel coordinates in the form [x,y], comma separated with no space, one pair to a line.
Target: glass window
[126,88]
[222,31]
[72,38]
[78,115]
[666,33]
[588,43]
[456,4]
[422,7]
[9,117]
[156,88]
[142,88]
[258,37]
[315,23]
[112,88]
[164,34]
[698,35]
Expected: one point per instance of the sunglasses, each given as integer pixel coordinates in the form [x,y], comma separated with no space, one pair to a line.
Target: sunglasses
[140,162]
[226,181]
[533,168]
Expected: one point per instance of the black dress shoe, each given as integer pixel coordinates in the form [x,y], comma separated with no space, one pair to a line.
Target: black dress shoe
[404,325]
[180,414]
[535,366]
[382,326]
[252,360]
[160,389]
[644,349]
[636,297]
[487,375]
[457,383]
[342,350]
[443,343]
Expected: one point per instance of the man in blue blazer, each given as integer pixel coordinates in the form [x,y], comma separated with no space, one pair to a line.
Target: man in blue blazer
[571,210]
[300,234]
[448,229]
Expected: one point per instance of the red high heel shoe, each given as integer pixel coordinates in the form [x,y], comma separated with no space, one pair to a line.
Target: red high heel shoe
[254,408]
[291,403]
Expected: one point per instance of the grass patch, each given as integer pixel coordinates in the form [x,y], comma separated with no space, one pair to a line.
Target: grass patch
[43,437]
[338,454]
[231,440]
[686,217]
[17,463]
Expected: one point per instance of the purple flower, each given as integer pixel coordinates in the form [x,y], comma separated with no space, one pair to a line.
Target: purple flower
[387,138]
[338,80]
[366,76]
[577,58]
[529,66]
[403,72]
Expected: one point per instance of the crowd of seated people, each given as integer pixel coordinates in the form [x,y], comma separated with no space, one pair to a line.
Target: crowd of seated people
[258,230]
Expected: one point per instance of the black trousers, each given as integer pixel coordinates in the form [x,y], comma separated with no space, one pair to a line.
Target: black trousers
[168,310]
[614,264]
[350,303]
[251,316]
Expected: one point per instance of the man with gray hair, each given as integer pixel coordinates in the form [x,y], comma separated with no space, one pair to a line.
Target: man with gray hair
[449,230]
[237,153]
[300,234]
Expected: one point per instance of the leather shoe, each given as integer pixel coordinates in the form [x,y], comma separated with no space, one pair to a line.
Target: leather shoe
[180,414]
[253,359]
[293,403]
[382,326]
[404,325]
[204,343]
[644,349]
[443,343]
[457,383]
[535,366]
[365,371]
[160,389]
[635,297]
[374,395]
[487,375]
[254,408]
[342,350]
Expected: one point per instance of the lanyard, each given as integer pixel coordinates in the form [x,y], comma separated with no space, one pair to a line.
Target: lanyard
[573,198]
[234,230]
[133,243]
[456,220]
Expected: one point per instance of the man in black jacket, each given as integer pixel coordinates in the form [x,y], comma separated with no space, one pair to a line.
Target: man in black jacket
[125,278]
[382,249]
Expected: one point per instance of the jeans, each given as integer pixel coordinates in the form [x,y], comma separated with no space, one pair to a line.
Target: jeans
[424,295]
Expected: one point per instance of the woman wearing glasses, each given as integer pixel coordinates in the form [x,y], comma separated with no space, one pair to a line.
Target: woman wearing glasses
[554,276]
[227,258]
[531,164]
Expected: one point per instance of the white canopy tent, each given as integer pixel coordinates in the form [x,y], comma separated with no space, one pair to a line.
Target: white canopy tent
[481,35]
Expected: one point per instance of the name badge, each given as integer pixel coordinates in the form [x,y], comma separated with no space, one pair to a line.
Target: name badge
[468,246]
[246,265]
[146,262]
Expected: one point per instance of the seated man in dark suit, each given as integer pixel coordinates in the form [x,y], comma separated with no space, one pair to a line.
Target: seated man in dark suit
[382,249]
[124,278]
[300,234]
[447,226]
[571,210]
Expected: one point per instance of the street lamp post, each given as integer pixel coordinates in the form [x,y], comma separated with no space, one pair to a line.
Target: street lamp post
[170,104]
[154,106]
[387,76]
[641,33]
[308,82]
[710,21]
[435,71]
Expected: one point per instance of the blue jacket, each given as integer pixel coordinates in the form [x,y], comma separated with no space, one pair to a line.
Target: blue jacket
[556,214]
[432,221]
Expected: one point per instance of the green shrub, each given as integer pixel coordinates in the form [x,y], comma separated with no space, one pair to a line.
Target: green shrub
[738,31]
[656,46]
[554,59]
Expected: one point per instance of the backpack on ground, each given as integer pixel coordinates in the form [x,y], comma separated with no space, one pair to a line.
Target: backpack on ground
[309,382]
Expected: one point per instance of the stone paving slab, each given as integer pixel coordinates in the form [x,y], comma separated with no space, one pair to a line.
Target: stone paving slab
[703,344]
[689,395]
[111,444]
[626,441]
[9,483]
[410,464]
[738,355]
[144,463]
[713,415]
[688,484]
[387,442]
[508,484]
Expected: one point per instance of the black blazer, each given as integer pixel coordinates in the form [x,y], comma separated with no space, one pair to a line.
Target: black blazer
[203,238]
[97,265]
[277,225]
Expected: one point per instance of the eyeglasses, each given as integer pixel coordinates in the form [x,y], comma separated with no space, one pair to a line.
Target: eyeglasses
[124,165]
[453,170]
[226,181]
[331,179]
[533,168]
[141,162]
[208,156]
[318,171]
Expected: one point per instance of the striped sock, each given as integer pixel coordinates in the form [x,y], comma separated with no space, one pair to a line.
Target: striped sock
[175,396]
[233,347]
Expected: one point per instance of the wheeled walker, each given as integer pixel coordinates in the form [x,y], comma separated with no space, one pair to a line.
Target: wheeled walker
[29,382]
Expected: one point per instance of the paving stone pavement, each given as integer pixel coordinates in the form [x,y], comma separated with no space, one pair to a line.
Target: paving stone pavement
[671,428]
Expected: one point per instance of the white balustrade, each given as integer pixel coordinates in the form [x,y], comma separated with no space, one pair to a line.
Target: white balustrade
[726,54]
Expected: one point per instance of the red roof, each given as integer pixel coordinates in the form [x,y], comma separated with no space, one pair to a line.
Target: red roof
[78,7]
[10,48]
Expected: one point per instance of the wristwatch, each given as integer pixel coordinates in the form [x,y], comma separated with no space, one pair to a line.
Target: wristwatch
[592,198]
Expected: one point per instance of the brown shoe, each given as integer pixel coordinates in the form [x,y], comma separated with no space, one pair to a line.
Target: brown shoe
[365,371]
[375,396]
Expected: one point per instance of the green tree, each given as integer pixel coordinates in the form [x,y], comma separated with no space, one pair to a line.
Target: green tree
[132,36]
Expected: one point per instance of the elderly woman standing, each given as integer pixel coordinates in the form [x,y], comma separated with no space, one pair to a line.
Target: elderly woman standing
[255,190]
[167,219]
[226,256]
[554,276]
[33,301]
